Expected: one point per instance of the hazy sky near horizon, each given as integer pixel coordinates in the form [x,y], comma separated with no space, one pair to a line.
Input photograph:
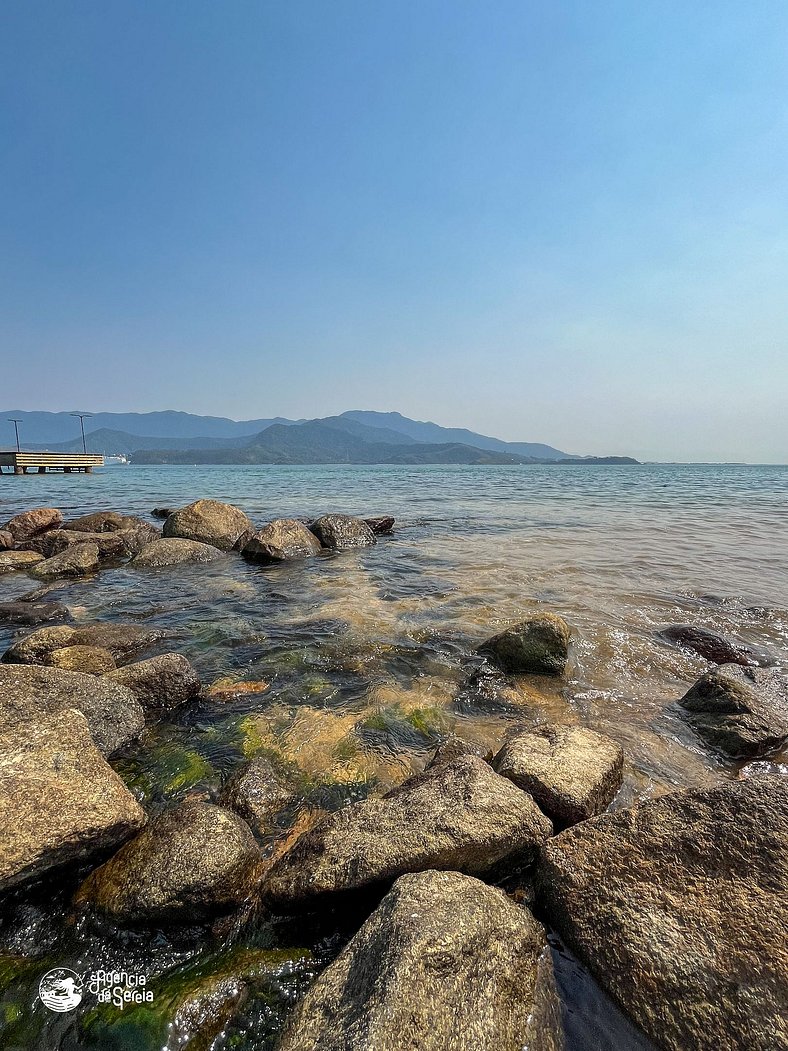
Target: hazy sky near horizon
[549,221]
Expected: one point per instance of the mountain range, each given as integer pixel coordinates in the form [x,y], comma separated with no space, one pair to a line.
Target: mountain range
[357,436]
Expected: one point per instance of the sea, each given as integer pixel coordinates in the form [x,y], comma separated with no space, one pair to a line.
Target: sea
[364,655]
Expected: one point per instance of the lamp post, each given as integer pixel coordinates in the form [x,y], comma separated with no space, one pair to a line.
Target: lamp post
[16,430]
[82,417]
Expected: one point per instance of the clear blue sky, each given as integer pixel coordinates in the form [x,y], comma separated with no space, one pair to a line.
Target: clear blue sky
[551,221]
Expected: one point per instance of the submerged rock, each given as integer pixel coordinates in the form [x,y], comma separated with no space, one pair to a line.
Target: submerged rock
[11,561]
[162,682]
[380,526]
[740,712]
[196,860]
[536,646]
[175,552]
[572,773]
[93,660]
[460,816]
[258,794]
[29,523]
[210,522]
[31,613]
[280,541]
[679,905]
[342,532]
[59,799]
[29,692]
[163,512]
[711,645]
[124,641]
[445,963]
[452,748]
[76,561]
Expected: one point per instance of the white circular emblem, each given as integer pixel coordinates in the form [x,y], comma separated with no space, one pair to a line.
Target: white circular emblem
[60,989]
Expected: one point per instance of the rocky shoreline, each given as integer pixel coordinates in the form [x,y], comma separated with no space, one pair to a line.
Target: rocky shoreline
[676,904]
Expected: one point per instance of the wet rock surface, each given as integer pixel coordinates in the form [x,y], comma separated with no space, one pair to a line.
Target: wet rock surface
[445,963]
[29,523]
[174,552]
[739,712]
[459,816]
[110,545]
[210,522]
[711,645]
[124,641]
[76,561]
[98,522]
[94,660]
[257,793]
[381,526]
[29,692]
[59,799]
[536,646]
[573,773]
[31,613]
[342,532]
[6,540]
[11,561]
[194,861]
[159,683]
[679,905]
[280,541]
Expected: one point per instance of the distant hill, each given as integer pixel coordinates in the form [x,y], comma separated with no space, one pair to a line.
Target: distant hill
[315,443]
[357,436]
[432,432]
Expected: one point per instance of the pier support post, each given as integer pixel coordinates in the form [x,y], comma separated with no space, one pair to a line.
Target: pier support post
[42,470]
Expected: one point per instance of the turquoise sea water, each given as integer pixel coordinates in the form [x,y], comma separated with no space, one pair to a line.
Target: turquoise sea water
[365,652]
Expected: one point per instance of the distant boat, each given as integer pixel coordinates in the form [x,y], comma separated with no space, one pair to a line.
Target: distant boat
[119,458]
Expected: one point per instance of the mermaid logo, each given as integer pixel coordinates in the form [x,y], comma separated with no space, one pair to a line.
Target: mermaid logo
[60,989]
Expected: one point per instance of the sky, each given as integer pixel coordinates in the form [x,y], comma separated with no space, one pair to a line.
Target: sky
[546,220]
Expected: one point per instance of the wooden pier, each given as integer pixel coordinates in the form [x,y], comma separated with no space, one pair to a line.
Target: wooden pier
[41,462]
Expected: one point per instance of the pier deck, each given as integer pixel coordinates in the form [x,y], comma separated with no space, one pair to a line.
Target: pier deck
[40,462]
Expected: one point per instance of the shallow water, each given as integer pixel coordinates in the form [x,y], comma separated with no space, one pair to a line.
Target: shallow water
[364,652]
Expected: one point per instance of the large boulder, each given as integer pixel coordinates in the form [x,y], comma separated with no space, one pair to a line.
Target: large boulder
[94,660]
[572,773]
[210,522]
[458,816]
[175,552]
[76,561]
[59,799]
[196,860]
[280,541]
[11,561]
[159,683]
[110,545]
[711,645]
[445,963]
[98,522]
[679,906]
[536,646]
[124,641]
[258,794]
[29,523]
[740,712]
[29,692]
[343,532]
[32,613]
